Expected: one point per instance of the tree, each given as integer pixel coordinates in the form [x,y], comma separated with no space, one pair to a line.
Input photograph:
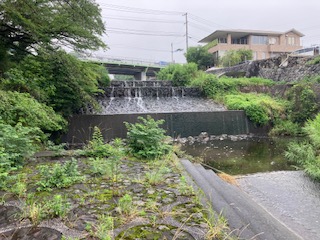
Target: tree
[27,26]
[234,57]
[180,75]
[58,80]
[200,56]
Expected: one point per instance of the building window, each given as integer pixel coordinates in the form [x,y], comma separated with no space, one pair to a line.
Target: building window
[243,40]
[264,56]
[222,40]
[272,40]
[290,40]
[259,40]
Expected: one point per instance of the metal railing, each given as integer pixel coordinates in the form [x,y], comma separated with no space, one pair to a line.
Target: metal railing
[124,60]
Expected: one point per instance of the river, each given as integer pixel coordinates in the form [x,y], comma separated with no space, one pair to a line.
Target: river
[264,174]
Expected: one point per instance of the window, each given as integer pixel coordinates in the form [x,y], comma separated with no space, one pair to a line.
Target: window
[290,41]
[272,40]
[259,40]
[222,40]
[264,55]
[242,40]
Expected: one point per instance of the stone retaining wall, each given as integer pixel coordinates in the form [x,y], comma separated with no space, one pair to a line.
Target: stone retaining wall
[278,69]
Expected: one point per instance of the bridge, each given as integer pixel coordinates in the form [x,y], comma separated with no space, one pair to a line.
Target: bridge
[140,69]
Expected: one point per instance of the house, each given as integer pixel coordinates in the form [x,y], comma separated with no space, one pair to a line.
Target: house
[264,44]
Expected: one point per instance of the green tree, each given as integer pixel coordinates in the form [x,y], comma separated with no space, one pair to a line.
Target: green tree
[234,57]
[180,75]
[57,79]
[28,25]
[200,56]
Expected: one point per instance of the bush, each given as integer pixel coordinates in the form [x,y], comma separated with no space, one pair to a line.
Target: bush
[58,175]
[146,139]
[18,143]
[303,103]
[312,128]
[58,80]
[285,128]
[96,147]
[180,75]
[260,108]
[22,108]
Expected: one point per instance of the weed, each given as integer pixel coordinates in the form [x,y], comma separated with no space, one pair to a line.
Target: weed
[58,175]
[103,229]
[146,139]
[184,187]
[57,207]
[125,205]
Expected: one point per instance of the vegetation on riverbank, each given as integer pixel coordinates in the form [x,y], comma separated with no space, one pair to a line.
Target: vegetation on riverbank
[307,154]
[103,192]
[286,115]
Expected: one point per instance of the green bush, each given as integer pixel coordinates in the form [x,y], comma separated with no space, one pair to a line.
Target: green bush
[59,175]
[18,143]
[312,128]
[146,139]
[58,80]
[314,61]
[303,104]
[96,146]
[285,128]
[22,108]
[307,154]
[260,108]
[214,86]
[180,75]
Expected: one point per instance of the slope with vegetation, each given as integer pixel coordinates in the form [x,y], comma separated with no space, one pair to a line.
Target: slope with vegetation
[41,85]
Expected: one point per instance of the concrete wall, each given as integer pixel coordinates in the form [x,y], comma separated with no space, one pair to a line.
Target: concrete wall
[176,124]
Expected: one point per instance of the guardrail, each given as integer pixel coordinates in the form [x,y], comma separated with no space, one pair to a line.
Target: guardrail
[134,62]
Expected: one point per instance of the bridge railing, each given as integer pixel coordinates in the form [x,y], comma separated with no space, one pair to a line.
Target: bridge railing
[124,60]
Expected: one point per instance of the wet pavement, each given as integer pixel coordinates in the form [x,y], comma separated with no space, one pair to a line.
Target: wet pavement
[289,196]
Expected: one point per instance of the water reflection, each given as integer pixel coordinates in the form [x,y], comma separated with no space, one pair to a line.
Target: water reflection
[244,156]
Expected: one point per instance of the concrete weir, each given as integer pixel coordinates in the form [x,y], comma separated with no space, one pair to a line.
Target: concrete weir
[246,218]
[176,124]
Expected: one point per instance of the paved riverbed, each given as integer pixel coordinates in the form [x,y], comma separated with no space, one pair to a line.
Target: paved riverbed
[290,196]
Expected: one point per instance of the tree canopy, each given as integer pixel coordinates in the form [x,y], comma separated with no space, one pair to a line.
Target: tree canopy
[234,57]
[27,26]
[200,56]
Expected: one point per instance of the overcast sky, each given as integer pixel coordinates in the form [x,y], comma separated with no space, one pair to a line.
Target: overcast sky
[145,29]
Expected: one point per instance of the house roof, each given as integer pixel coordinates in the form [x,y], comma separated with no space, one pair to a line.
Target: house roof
[242,33]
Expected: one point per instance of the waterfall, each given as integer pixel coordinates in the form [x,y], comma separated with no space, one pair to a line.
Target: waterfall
[153,96]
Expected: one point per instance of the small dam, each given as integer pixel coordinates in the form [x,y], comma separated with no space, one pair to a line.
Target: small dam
[185,110]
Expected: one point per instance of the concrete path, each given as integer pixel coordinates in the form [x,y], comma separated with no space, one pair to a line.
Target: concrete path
[246,218]
[290,196]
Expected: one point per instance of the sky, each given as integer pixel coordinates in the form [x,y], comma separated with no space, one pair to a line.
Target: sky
[155,31]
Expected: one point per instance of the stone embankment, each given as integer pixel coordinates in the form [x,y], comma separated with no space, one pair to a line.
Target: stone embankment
[278,69]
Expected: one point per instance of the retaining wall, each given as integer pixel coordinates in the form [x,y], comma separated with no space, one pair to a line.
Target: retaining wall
[181,124]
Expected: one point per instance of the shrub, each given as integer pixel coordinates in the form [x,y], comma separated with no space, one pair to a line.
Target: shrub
[260,108]
[180,75]
[22,108]
[57,207]
[300,153]
[312,128]
[59,175]
[285,128]
[314,61]
[303,103]
[146,139]
[18,143]
[96,147]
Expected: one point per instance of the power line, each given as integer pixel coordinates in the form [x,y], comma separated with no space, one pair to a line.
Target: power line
[138,10]
[204,21]
[142,19]
[135,47]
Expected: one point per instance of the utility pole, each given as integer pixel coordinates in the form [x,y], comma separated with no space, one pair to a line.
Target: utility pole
[187,34]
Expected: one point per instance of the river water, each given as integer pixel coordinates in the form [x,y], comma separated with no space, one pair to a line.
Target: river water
[264,174]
